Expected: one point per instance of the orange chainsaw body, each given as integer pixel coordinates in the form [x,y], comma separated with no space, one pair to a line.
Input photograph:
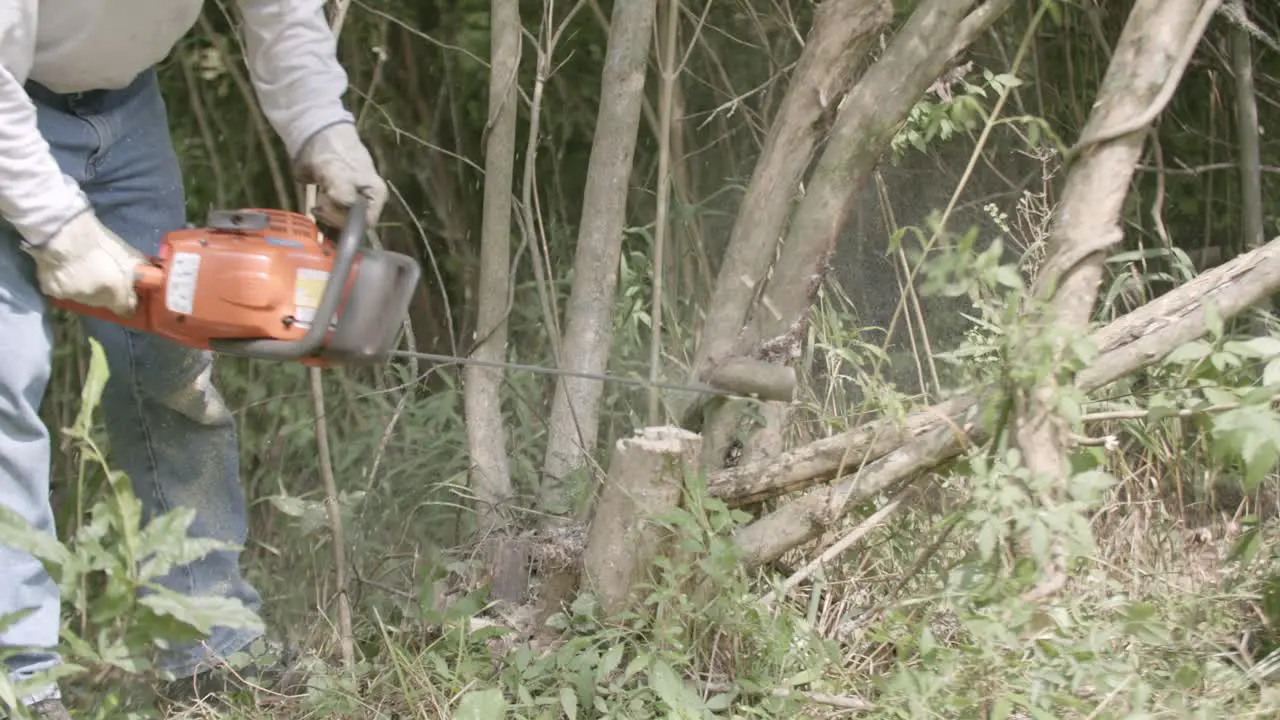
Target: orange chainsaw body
[252,281]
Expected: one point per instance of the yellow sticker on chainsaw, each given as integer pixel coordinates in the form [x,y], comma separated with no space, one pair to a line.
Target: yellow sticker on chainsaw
[308,288]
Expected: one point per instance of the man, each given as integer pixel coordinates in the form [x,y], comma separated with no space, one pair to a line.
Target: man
[89,183]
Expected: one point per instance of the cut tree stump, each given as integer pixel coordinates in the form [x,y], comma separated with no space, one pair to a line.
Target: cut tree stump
[645,480]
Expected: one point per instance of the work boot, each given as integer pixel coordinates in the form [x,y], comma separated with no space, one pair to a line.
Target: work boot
[264,666]
[51,709]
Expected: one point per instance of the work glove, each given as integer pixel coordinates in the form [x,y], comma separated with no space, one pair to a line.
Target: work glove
[339,164]
[86,263]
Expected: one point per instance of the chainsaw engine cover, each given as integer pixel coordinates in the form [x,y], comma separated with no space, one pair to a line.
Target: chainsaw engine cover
[254,275]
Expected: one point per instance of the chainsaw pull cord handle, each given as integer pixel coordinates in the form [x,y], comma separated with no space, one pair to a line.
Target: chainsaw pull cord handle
[344,258]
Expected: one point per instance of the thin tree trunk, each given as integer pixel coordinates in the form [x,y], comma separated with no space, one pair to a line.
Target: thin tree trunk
[575,412]
[1247,130]
[486,433]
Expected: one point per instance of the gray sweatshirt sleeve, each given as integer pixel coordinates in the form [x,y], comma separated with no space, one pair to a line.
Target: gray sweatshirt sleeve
[35,196]
[292,58]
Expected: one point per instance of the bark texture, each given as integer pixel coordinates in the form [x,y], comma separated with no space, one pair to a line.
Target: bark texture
[838,41]
[574,422]
[865,124]
[1150,57]
[486,432]
[646,479]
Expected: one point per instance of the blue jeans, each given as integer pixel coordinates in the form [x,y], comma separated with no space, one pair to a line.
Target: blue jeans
[168,427]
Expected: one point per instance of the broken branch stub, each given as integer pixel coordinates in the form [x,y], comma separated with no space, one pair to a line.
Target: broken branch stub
[763,380]
[645,480]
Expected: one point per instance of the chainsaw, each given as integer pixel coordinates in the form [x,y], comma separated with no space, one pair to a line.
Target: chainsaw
[269,284]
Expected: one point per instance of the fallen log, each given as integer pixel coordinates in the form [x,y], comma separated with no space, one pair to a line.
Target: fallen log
[1125,345]
[938,433]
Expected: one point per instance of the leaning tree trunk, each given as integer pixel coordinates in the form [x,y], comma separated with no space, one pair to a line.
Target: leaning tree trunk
[1153,50]
[575,412]
[486,433]
[865,124]
[838,41]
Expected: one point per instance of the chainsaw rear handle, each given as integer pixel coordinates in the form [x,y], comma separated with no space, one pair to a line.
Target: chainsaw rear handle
[265,349]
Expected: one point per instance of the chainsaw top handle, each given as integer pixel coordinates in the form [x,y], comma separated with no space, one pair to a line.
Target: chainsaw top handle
[267,349]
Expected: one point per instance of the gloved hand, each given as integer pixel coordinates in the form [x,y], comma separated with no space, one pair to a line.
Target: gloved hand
[339,164]
[87,263]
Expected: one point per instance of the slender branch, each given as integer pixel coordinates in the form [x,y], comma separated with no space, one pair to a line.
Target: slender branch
[669,72]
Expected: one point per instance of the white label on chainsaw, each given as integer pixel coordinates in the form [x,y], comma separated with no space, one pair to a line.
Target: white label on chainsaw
[180,291]
[307,290]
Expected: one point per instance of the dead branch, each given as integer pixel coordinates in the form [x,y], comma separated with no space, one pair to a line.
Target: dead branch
[1126,345]
[646,479]
[824,459]
[800,521]
[841,546]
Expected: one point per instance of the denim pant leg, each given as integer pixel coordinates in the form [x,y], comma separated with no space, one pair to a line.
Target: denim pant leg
[169,428]
[24,463]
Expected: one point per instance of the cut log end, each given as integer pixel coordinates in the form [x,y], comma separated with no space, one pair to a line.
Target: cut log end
[764,380]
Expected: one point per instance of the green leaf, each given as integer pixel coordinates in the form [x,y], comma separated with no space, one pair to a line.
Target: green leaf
[1246,547]
[201,612]
[609,662]
[1089,486]
[166,542]
[1271,373]
[720,701]
[1191,352]
[667,685]
[91,393]
[1258,347]
[1213,320]
[486,704]
[569,703]
[17,533]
